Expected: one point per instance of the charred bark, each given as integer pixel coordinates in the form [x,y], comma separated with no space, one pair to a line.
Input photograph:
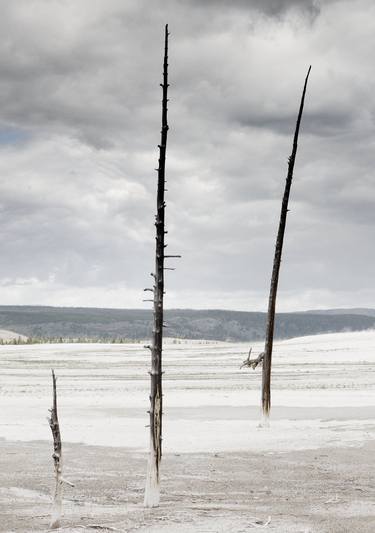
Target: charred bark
[267,360]
[152,492]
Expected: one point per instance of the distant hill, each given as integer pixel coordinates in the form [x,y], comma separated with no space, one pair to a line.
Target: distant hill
[110,324]
[355,311]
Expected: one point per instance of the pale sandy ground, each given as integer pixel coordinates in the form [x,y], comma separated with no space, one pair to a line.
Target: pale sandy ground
[312,471]
[322,490]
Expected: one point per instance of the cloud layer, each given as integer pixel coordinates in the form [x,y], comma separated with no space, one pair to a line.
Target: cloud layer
[79,125]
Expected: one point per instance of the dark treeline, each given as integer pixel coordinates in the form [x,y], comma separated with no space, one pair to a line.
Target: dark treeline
[54,324]
[17,341]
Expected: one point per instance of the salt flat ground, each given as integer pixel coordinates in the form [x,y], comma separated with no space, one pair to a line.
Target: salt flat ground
[312,470]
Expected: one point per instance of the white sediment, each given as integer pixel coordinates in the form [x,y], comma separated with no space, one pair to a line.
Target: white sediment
[323,394]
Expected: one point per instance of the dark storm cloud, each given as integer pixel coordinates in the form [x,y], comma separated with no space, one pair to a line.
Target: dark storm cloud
[79,125]
[321,123]
[84,79]
[269,7]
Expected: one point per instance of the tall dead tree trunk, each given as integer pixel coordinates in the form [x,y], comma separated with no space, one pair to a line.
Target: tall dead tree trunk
[57,460]
[152,492]
[267,360]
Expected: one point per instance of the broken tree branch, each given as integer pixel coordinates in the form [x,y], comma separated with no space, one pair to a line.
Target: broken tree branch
[253,363]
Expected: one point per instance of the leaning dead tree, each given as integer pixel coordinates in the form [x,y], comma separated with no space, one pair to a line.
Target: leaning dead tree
[152,492]
[267,359]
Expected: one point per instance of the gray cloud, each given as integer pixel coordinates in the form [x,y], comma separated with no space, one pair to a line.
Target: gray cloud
[79,125]
[269,7]
[328,122]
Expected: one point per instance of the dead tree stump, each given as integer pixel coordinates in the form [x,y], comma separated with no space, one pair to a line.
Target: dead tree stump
[57,460]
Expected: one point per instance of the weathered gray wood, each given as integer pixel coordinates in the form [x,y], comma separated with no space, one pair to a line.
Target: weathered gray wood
[267,360]
[152,493]
[252,363]
[57,459]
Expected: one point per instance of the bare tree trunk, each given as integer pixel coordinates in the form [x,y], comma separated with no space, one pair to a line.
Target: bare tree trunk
[152,492]
[267,360]
[57,459]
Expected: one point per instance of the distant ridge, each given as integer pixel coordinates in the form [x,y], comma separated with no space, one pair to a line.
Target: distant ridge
[44,322]
[364,311]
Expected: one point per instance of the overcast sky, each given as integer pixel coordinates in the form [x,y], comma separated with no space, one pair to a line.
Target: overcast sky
[80,123]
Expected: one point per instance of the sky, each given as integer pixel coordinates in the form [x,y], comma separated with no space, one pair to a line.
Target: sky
[79,126]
